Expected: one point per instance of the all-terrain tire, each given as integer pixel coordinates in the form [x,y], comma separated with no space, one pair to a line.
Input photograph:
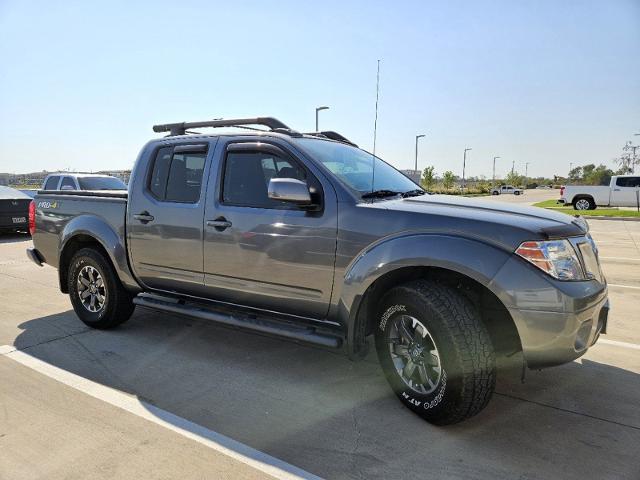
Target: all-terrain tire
[117,304]
[462,343]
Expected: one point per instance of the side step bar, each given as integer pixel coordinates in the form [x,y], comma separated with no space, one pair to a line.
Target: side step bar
[272,326]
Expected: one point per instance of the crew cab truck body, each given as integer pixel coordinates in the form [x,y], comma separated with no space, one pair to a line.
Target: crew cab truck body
[622,191]
[285,234]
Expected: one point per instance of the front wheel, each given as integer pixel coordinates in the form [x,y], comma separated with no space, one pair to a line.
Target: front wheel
[494,193]
[435,352]
[97,296]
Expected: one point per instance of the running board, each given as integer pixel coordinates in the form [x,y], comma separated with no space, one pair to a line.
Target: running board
[269,325]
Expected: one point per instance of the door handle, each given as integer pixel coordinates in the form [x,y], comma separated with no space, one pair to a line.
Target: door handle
[219,224]
[616,189]
[144,217]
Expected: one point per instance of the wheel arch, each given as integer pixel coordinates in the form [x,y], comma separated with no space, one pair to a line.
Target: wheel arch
[462,263]
[88,231]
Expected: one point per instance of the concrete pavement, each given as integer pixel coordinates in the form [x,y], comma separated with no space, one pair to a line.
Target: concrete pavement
[311,408]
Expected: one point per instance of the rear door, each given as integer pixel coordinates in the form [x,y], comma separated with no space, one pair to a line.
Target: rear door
[624,192]
[264,253]
[165,215]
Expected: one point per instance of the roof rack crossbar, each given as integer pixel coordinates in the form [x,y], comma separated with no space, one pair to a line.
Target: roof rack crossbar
[182,127]
[330,134]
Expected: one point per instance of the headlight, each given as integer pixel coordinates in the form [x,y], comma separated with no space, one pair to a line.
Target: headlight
[555,257]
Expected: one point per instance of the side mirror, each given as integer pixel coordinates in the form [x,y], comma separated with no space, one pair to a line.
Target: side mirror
[289,190]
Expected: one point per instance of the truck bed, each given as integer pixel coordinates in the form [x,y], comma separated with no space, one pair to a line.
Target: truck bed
[90,210]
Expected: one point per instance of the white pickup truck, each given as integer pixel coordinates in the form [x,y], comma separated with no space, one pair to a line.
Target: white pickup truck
[623,191]
[507,189]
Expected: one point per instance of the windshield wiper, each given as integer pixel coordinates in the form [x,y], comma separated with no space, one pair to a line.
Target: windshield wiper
[413,193]
[381,194]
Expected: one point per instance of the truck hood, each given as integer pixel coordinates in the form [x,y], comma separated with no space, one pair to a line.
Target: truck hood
[497,221]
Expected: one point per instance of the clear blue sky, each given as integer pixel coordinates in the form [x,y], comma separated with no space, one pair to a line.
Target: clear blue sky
[546,82]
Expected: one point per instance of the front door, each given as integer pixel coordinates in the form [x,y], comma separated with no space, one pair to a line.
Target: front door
[262,252]
[165,215]
[624,192]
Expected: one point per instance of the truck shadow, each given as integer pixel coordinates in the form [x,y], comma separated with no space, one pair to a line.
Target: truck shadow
[338,419]
[14,237]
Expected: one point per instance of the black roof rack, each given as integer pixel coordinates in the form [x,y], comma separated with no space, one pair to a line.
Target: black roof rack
[181,128]
[331,135]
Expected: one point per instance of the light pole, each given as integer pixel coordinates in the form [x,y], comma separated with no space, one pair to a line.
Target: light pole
[513,166]
[464,166]
[417,137]
[494,172]
[317,110]
[526,171]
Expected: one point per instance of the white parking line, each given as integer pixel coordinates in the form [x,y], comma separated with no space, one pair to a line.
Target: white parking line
[625,259]
[634,346]
[622,286]
[220,443]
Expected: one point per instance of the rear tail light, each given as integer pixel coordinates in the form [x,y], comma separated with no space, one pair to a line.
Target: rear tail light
[32,217]
[562,191]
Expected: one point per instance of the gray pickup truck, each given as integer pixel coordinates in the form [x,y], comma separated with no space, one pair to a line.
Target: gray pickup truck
[308,237]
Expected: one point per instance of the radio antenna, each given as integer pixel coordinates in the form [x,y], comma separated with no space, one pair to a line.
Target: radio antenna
[375,130]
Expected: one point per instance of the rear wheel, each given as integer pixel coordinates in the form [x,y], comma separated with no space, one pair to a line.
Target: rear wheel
[584,203]
[97,296]
[495,193]
[435,352]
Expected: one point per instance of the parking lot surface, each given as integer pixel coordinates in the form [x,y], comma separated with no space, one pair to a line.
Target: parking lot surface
[305,407]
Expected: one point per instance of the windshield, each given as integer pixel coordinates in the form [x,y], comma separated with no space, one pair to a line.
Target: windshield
[101,183]
[354,167]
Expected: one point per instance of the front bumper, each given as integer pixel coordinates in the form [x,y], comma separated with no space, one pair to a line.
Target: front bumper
[556,321]
[552,338]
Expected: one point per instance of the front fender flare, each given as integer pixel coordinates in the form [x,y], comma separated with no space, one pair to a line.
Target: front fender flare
[468,256]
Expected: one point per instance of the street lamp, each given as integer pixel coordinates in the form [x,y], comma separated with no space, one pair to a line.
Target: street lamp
[417,137]
[494,172]
[317,110]
[526,171]
[464,166]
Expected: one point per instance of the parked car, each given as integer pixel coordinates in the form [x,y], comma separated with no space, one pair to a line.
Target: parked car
[289,234]
[14,210]
[543,187]
[82,181]
[622,191]
[502,189]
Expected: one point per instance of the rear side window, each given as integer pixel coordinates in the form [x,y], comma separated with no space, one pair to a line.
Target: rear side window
[177,176]
[51,183]
[67,184]
[185,177]
[628,181]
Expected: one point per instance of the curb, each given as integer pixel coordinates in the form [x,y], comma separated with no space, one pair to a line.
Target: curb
[621,219]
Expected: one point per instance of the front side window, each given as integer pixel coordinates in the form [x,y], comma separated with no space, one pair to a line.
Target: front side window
[354,167]
[247,175]
[177,176]
[51,183]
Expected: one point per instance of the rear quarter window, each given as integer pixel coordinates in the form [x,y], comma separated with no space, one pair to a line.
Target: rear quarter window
[51,183]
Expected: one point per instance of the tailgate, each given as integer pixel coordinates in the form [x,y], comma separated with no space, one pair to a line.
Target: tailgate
[14,213]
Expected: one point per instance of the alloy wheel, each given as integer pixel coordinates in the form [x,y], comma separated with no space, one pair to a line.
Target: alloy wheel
[414,354]
[91,289]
